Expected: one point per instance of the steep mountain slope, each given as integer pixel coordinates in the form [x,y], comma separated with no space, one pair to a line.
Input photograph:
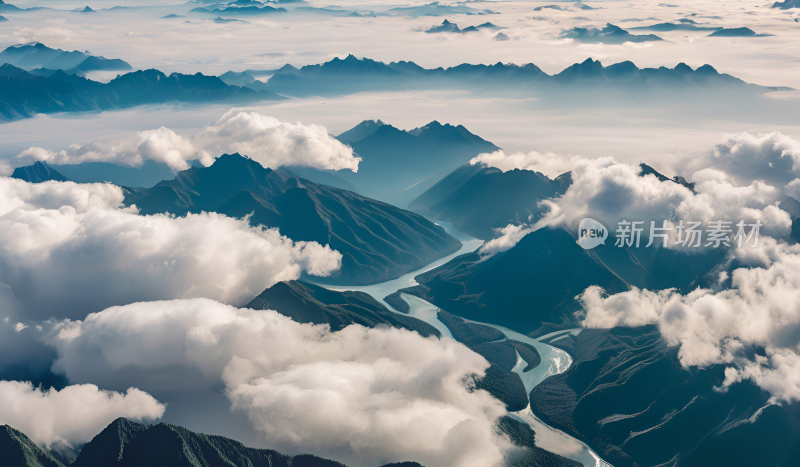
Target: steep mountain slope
[309,303]
[17,450]
[627,396]
[378,241]
[478,199]
[108,447]
[521,288]
[37,173]
[397,166]
[127,444]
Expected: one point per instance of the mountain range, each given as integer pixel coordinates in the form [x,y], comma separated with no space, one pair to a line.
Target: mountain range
[610,34]
[23,94]
[127,444]
[351,74]
[378,241]
[239,11]
[449,27]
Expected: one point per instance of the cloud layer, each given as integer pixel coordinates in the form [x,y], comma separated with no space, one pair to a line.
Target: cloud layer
[160,145]
[269,141]
[362,396]
[771,157]
[610,192]
[760,309]
[68,249]
[72,415]
[274,143]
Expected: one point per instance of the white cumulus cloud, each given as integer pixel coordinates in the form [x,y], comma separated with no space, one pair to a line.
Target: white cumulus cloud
[772,157]
[68,249]
[161,145]
[72,415]
[362,396]
[549,164]
[265,139]
[610,192]
[274,143]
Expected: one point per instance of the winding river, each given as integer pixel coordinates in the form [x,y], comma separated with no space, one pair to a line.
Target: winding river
[554,360]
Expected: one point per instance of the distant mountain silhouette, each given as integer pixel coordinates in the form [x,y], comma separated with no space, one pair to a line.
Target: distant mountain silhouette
[477,199]
[102,64]
[236,79]
[447,26]
[378,241]
[608,35]
[23,94]
[38,55]
[309,303]
[150,173]
[37,173]
[681,26]
[349,75]
[237,11]
[628,397]
[397,166]
[736,32]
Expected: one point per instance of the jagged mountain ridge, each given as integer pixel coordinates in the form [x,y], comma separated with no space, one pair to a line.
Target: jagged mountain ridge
[351,74]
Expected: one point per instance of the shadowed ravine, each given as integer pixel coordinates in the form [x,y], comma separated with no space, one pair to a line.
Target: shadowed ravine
[554,360]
